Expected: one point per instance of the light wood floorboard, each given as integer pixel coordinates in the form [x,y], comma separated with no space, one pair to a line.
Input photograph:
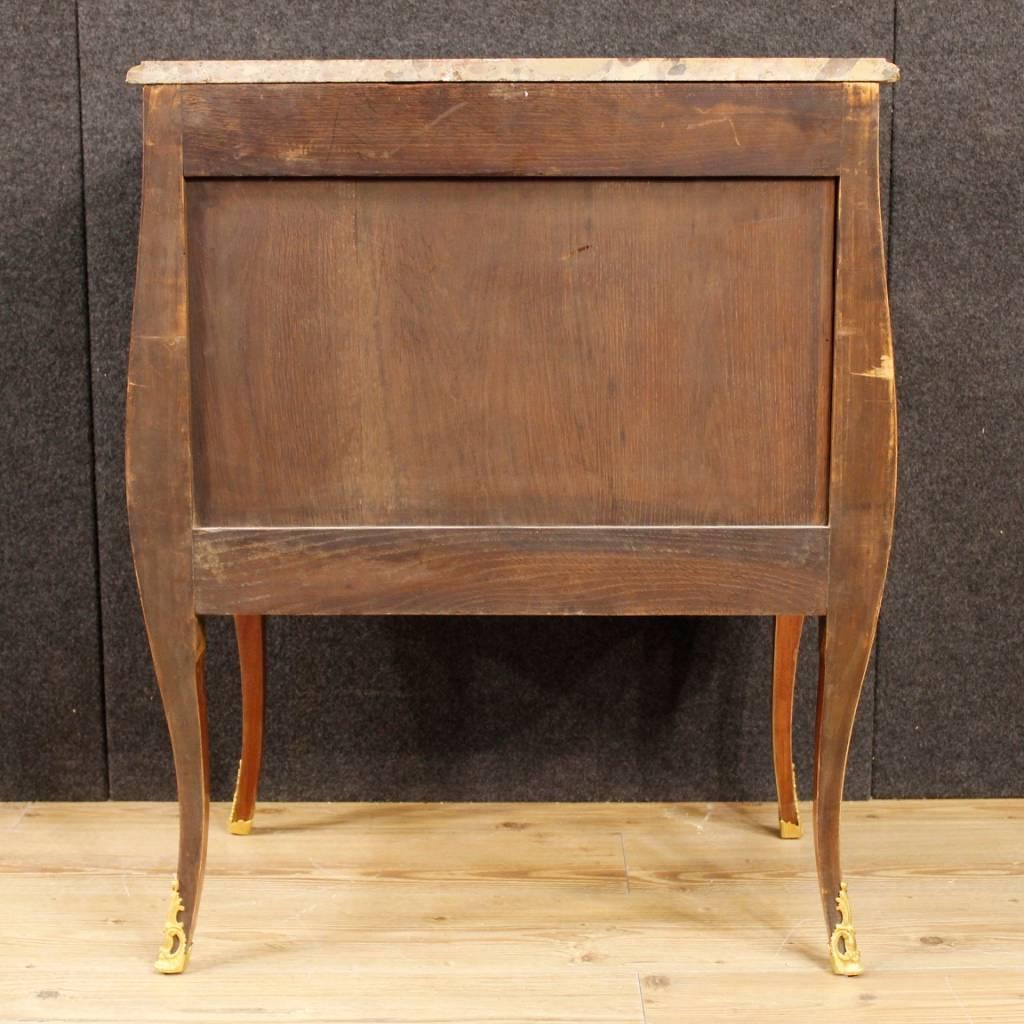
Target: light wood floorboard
[542,913]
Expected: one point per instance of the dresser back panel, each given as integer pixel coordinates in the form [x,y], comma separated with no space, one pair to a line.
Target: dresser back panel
[510,352]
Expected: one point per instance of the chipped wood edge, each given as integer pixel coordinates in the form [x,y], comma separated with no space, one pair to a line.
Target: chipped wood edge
[558,69]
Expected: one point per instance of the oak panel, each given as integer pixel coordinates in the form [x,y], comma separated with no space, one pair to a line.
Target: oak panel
[454,352]
[511,571]
[634,129]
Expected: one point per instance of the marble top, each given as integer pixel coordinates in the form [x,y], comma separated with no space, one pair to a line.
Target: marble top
[533,69]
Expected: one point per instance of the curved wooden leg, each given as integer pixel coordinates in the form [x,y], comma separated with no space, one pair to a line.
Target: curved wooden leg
[862,493]
[178,657]
[158,482]
[787,646]
[845,644]
[159,513]
[249,632]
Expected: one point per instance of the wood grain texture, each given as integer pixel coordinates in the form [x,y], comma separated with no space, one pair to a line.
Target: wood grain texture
[635,130]
[251,660]
[862,475]
[786,649]
[514,913]
[528,69]
[510,353]
[487,571]
[158,476]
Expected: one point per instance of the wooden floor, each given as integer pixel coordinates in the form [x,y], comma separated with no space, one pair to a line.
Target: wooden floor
[645,914]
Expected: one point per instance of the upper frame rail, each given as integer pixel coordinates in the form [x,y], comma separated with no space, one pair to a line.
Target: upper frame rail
[479,129]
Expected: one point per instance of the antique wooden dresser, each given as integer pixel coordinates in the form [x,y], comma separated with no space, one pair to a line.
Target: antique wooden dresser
[559,337]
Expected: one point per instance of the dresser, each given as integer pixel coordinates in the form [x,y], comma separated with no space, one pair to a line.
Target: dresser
[511,337]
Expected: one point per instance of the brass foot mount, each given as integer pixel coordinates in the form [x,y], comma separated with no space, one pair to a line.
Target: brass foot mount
[842,944]
[792,829]
[238,826]
[174,950]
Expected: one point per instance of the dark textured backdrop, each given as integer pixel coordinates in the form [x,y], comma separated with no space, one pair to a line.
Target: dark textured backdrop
[510,708]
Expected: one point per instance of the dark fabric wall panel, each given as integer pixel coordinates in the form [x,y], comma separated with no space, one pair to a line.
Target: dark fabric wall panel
[51,717]
[950,713]
[436,708]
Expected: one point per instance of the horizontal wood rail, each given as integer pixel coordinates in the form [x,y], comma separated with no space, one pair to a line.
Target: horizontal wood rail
[635,129]
[511,570]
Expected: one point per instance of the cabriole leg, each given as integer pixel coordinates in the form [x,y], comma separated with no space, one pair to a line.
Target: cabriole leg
[845,644]
[861,494]
[158,482]
[179,667]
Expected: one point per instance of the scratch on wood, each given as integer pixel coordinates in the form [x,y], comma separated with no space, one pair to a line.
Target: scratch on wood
[299,152]
[963,1006]
[884,370]
[575,252]
[718,120]
[426,128]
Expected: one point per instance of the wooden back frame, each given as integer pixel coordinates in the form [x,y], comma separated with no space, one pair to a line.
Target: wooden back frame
[620,130]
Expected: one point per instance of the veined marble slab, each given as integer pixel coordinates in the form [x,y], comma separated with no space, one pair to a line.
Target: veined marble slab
[540,69]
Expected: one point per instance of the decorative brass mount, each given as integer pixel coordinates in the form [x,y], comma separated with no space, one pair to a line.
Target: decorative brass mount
[238,826]
[174,950]
[842,945]
[792,829]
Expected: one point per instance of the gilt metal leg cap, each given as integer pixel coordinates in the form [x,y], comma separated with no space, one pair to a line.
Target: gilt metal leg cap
[842,945]
[174,950]
[238,826]
[790,829]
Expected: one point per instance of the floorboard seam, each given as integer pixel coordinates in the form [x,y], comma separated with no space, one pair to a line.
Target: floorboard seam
[640,991]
